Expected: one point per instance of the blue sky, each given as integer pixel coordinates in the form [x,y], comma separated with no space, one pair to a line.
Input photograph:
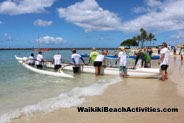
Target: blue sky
[88,23]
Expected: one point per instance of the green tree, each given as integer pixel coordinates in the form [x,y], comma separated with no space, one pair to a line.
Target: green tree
[129,42]
[151,37]
[143,36]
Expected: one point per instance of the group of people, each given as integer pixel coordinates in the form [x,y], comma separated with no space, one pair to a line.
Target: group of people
[146,60]
[39,60]
[99,62]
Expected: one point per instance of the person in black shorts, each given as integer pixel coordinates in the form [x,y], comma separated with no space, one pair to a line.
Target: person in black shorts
[163,61]
[98,63]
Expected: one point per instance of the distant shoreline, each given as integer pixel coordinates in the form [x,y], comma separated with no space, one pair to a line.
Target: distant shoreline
[56,48]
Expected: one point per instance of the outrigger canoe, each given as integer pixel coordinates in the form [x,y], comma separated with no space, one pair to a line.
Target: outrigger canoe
[50,73]
[139,72]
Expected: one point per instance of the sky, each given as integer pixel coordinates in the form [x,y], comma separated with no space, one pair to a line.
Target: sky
[88,23]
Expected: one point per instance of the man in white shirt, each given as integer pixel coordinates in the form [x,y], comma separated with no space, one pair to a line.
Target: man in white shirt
[164,60]
[57,61]
[39,59]
[31,59]
[76,61]
[122,57]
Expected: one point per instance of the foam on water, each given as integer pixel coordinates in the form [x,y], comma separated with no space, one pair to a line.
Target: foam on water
[64,100]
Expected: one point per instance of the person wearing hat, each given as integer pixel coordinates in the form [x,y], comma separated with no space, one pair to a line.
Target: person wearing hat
[39,59]
[76,61]
[93,56]
[122,57]
[31,59]
[146,59]
[57,61]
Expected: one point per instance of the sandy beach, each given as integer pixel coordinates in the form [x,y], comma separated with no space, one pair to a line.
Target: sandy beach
[130,92]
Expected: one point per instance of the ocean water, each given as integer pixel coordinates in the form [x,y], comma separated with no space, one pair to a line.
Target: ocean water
[23,92]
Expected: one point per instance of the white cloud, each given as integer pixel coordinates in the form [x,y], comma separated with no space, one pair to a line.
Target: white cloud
[88,15]
[178,35]
[40,22]
[167,15]
[153,3]
[51,40]
[16,7]
[169,18]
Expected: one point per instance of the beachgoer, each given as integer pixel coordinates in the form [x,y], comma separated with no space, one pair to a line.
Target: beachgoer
[163,61]
[98,63]
[76,61]
[39,61]
[169,47]
[93,56]
[106,52]
[122,57]
[31,59]
[115,53]
[57,61]
[158,51]
[145,57]
[174,50]
[182,53]
[149,50]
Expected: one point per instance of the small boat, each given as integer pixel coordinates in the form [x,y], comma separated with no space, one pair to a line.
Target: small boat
[50,73]
[85,55]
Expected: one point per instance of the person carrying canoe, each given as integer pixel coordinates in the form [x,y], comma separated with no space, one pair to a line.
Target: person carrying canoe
[31,59]
[122,57]
[145,57]
[57,61]
[76,61]
[93,56]
[98,63]
[40,60]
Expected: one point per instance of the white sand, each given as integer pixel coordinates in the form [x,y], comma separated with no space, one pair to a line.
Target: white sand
[128,93]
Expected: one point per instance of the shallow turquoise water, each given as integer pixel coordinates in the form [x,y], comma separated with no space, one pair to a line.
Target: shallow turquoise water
[22,91]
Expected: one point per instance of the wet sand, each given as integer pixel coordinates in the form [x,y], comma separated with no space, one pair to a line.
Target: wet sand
[130,92]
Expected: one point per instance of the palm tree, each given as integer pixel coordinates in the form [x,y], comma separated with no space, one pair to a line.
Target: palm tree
[151,37]
[135,39]
[143,36]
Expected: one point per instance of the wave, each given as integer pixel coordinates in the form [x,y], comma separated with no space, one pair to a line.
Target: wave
[64,100]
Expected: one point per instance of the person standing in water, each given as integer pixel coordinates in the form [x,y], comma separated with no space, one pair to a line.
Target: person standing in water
[40,60]
[31,59]
[57,61]
[122,57]
[98,63]
[93,56]
[76,61]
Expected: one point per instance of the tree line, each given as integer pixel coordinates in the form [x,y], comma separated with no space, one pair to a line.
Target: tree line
[141,40]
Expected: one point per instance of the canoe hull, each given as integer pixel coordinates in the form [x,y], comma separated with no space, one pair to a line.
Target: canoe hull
[139,72]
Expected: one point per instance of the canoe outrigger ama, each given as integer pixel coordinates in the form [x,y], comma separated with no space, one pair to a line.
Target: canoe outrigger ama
[60,73]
